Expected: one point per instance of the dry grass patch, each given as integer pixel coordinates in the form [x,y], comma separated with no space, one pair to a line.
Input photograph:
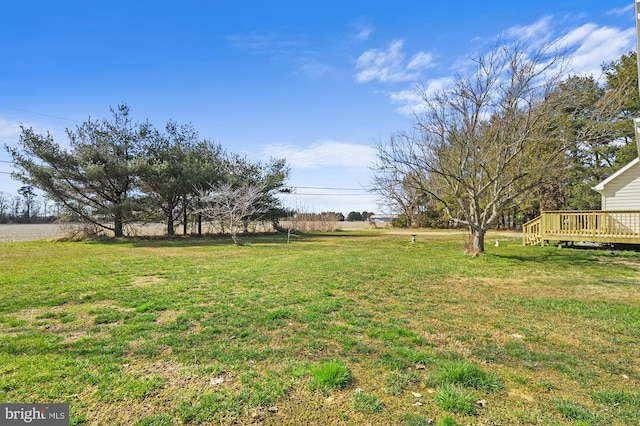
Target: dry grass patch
[148,281]
[168,316]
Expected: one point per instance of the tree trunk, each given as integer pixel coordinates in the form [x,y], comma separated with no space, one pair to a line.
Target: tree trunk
[476,246]
[184,219]
[118,229]
[170,229]
[199,223]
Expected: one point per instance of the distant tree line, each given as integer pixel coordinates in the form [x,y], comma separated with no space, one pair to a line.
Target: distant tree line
[26,207]
[358,217]
[352,216]
[116,172]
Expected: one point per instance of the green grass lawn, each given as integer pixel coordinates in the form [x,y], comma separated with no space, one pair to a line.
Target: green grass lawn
[350,328]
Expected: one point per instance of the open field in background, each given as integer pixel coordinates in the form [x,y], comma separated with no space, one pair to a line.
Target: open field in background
[34,232]
[355,327]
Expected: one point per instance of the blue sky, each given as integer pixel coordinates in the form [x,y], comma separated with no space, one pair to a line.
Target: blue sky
[317,82]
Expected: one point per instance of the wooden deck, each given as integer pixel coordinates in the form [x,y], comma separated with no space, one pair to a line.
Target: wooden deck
[622,227]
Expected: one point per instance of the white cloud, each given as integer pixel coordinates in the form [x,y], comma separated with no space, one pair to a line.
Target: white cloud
[9,129]
[383,65]
[590,46]
[405,97]
[622,10]
[593,45]
[363,31]
[389,65]
[539,30]
[410,100]
[324,154]
[420,60]
[436,85]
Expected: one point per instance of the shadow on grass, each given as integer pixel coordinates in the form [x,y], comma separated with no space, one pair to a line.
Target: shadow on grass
[547,255]
[209,240]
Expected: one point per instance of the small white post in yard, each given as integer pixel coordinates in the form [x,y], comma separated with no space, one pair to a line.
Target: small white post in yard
[413,238]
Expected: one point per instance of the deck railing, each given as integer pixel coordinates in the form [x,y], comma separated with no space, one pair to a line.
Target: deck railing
[594,226]
[531,232]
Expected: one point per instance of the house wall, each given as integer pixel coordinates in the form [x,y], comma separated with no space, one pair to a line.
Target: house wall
[623,193]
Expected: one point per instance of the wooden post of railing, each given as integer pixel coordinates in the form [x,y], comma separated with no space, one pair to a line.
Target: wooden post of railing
[543,218]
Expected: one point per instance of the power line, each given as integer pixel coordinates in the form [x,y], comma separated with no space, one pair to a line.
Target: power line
[327,188]
[283,193]
[321,194]
[323,188]
[46,115]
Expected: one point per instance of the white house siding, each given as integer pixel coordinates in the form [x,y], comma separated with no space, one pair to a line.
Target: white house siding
[623,192]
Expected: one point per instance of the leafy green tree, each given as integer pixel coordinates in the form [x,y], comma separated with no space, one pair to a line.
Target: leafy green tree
[117,171]
[96,178]
[207,163]
[582,106]
[354,217]
[28,197]
[175,163]
[622,76]
[597,122]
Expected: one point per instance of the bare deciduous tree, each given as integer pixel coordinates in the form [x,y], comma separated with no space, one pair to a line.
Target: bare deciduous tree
[232,206]
[5,203]
[484,140]
[493,137]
